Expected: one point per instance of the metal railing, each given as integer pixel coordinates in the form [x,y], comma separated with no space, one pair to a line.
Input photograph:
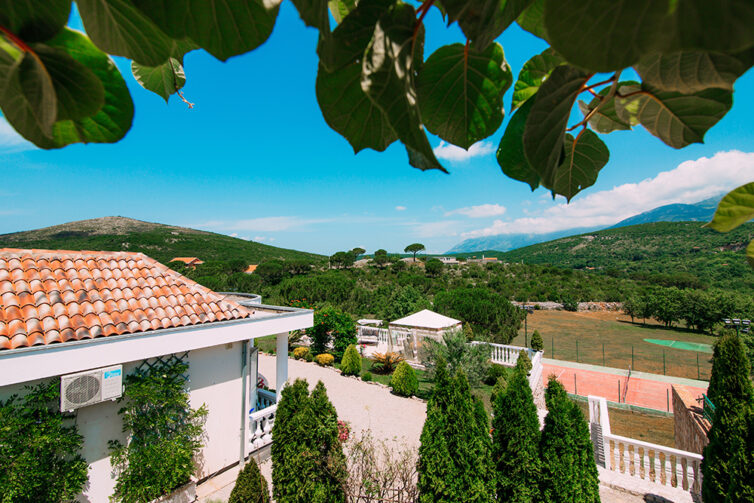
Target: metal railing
[708,409]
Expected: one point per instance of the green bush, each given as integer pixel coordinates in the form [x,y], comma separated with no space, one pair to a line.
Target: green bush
[570,304]
[39,449]
[537,344]
[251,486]
[332,325]
[523,363]
[366,377]
[351,363]
[309,357]
[454,349]
[494,373]
[404,381]
[164,434]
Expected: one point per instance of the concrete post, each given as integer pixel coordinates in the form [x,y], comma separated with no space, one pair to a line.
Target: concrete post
[281,363]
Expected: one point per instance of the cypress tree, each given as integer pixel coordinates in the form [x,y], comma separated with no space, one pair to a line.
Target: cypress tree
[328,459]
[588,482]
[730,390]
[251,486]
[515,446]
[291,426]
[350,365]
[556,448]
[537,344]
[742,463]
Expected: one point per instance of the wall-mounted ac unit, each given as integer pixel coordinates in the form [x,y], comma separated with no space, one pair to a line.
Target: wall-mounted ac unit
[90,387]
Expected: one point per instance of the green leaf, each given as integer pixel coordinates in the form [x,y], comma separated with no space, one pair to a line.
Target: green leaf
[532,19]
[510,153]
[352,36]
[162,80]
[348,110]
[78,91]
[585,156]
[341,8]
[34,20]
[224,28]
[532,74]
[482,21]
[606,118]
[388,70]
[606,35]
[720,25]
[28,97]
[677,119]
[692,71]
[314,13]
[461,92]
[736,208]
[113,120]
[119,28]
[545,127]
[750,253]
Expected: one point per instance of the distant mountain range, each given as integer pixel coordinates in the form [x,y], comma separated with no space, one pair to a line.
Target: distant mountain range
[696,212]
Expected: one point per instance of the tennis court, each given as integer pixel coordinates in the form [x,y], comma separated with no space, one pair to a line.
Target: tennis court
[689,346]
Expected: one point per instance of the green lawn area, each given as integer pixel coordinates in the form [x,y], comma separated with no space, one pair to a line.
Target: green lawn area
[582,336]
[656,429]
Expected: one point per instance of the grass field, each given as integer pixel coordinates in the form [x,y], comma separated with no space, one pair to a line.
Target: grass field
[656,429]
[582,336]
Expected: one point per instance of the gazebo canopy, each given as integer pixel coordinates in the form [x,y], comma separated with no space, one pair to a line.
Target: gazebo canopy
[427,319]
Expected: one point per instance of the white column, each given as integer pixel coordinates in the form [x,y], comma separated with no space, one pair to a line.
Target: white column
[281,363]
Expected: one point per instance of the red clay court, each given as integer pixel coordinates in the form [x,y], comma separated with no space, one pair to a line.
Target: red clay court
[643,390]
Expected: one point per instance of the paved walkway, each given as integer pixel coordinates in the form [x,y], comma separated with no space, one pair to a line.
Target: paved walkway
[371,406]
[644,390]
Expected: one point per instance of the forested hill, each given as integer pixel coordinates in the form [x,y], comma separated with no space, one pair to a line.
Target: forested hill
[669,248]
[159,241]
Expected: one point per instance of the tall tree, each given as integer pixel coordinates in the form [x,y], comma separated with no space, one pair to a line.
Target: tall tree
[414,248]
[381,258]
[515,442]
[489,313]
[730,390]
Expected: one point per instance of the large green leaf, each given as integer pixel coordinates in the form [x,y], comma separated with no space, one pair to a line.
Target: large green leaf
[532,19]
[719,25]
[677,119]
[605,119]
[348,110]
[461,92]
[28,97]
[584,157]
[736,208]
[388,70]
[532,74]
[510,153]
[545,127]
[224,28]
[113,120]
[162,80]
[314,13]
[119,28]
[79,93]
[352,36]
[341,8]
[482,21]
[34,20]
[692,71]
[606,35]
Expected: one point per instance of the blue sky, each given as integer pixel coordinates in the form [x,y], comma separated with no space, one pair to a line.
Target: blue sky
[255,159]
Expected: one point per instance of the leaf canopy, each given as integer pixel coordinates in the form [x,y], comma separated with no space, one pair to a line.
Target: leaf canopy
[736,208]
[532,74]
[510,153]
[163,80]
[34,20]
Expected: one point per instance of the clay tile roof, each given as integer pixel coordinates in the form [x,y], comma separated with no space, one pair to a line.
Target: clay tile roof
[251,268]
[56,296]
[188,260]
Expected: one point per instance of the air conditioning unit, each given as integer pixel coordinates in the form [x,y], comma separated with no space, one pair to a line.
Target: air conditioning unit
[90,387]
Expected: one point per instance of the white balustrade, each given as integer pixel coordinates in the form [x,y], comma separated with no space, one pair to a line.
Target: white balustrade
[265,399]
[260,424]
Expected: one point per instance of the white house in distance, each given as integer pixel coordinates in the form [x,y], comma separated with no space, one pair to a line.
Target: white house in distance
[65,312]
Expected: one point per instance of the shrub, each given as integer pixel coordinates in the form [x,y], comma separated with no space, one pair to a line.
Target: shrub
[39,448]
[308,465]
[494,373]
[570,304]
[332,325]
[473,359]
[537,344]
[367,377]
[251,486]
[300,353]
[404,381]
[309,357]
[351,363]
[164,433]
[325,359]
[385,363]
[524,363]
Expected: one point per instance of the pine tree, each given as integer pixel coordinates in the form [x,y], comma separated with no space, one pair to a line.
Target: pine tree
[515,446]
[730,390]
[251,486]
[308,465]
[537,344]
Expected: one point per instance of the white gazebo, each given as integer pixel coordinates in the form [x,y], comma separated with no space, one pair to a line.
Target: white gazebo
[408,333]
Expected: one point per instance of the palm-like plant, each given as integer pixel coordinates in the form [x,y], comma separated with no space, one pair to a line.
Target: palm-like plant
[386,362]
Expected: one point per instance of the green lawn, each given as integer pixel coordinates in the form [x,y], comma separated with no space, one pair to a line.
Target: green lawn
[582,336]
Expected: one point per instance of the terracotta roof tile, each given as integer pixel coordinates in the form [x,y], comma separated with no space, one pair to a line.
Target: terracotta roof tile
[56,296]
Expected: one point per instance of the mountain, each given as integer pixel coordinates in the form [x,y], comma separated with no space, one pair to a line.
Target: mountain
[505,242]
[697,212]
[159,241]
[659,248]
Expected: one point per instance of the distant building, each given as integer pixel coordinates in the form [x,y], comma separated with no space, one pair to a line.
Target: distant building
[251,269]
[189,261]
[447,260]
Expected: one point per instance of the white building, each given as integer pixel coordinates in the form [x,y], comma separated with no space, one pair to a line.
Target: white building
[64,312]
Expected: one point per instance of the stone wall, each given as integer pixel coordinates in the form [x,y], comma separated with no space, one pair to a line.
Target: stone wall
[690,426]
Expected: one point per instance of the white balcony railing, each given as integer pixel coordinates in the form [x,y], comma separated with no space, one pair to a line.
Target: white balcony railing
[262,419]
